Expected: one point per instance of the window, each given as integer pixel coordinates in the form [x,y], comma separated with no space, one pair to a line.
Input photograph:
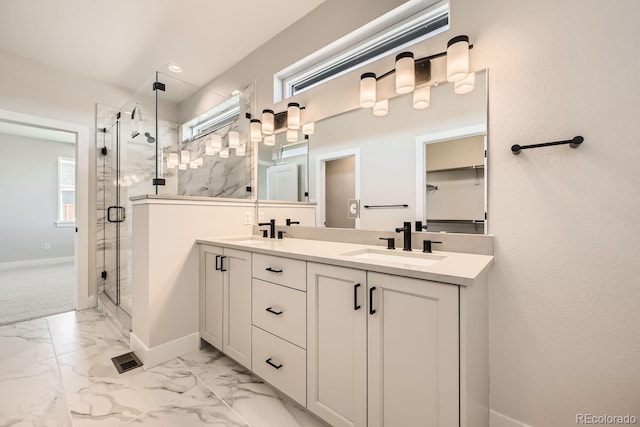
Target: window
[66,191]
[400,28]
[214,119]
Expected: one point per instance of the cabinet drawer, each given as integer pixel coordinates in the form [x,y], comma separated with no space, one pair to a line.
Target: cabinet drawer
[280,310]
[280,363]
[283,271]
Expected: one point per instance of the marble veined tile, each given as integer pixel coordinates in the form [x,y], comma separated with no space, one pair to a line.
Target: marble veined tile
[195,408]
[24,343]
[32,395]
[81,329]
[258,403]
[98,395]
[208,363]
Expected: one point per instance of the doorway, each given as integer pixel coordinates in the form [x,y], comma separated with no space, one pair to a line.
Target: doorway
[338,181]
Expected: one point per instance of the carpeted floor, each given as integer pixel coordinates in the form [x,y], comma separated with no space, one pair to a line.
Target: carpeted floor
[36,291]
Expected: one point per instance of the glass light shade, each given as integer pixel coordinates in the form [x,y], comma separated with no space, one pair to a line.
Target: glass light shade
[405,72]
[367,90]
[465,85]
[224,154]
[268,120]
[270,140]
[309,128]
[172,160]
[256,130]
[193,165]
[293,115]
[422,98]
[199,161]
[213,145]
[381,108]
[241,150]
[185,157]
[234,139]
[457,58]
[292,135]
[182,166]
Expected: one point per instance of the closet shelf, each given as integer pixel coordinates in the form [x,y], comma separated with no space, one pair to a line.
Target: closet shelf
[461,168]
[456,221]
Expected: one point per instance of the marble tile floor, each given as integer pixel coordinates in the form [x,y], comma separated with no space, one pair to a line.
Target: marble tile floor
[57,371]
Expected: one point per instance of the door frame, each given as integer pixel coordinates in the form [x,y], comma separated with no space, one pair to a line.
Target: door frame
[82,299]
[321,172]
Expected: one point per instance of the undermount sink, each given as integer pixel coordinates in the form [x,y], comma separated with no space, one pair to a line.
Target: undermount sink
[248,240]
[418,259]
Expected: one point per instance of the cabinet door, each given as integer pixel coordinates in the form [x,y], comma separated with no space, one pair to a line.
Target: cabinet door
[413,375]
[336,344]
[237,306]
[211,291]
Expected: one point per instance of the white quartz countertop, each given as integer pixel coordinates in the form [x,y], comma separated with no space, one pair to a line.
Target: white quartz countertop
[455,268]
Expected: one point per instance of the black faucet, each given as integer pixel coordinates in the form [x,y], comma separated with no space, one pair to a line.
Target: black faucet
[391,242]
[289,222]
[419,226]
[407,235]
[272,227]
[426,246]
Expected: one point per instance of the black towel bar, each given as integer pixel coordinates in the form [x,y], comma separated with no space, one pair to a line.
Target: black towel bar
[575,142]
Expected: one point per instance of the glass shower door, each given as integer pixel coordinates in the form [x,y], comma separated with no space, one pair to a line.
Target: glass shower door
[112,213]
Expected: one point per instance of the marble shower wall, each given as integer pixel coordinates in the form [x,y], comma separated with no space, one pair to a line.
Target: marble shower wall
[217,177]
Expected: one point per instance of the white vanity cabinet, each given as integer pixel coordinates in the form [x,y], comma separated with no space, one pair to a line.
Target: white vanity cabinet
[225,301]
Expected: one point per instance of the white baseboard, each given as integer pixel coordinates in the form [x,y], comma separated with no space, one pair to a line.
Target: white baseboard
[34,262]
[496,419]
[154,356]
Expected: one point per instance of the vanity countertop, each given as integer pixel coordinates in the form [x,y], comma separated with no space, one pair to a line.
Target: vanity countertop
[455,268]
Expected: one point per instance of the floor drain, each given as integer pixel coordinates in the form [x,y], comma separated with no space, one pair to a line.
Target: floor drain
[126,362]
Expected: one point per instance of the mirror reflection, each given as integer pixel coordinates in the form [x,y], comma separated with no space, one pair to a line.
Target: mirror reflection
[283,169]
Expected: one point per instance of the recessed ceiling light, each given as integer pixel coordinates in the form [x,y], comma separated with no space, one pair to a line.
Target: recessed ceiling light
[174,68]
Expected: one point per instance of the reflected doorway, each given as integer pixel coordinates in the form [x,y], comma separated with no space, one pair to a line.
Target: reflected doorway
[340,186]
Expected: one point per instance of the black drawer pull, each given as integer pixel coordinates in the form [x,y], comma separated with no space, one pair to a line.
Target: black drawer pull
[371,309]
[269,362]
[270,310]
[222,258]
[356,306]
[273,270]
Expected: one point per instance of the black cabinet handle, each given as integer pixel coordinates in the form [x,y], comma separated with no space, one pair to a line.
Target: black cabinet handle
[273,270]
[222,258]
[356,306]
[217,259]
[269,362]
[270,310]
[371,309]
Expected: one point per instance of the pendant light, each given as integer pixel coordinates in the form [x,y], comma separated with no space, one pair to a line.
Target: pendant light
[267,122]
[309,128]
[422,98]
[292,135]
[256,130]
[457,58]
[234,139]
[381,108]
[270,140]
[405,72]
[367,90]
[185,157]
[293,115]
[465,85]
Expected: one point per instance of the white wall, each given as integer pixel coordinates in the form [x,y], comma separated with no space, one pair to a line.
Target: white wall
[565,299]
[29,173]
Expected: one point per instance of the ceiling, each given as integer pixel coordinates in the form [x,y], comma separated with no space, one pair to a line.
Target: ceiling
[122,42]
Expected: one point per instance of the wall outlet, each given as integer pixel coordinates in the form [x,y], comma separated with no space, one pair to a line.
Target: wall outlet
[47,246]
[247,218]
[260,216]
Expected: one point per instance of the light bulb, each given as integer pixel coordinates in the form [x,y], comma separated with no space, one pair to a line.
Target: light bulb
[234,139]
[457,58]
[405,72]
[224,154]
[422,98]
[367,90]
[256,130]
[241,150]
[270,140]
[185,156]
[293,115]
[465,85]
[268,122]
[182,166]
[381,108]
[309,128]
[292,135]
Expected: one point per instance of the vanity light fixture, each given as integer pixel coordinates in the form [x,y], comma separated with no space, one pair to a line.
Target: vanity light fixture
[193,165]
[465,85]
[381,108]
[422,98]
[270,140]
[182,166]
[458,58]
[292,135]
[293,116]
[199,161]
[256,130]
[172,160]
[368,85]
[224,154]
[241,150]
[213,145]
[267,122]
[185,157]
[405,72]
[309,128]
[234,140]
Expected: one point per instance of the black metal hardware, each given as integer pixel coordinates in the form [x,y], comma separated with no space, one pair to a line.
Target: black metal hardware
[306,194]
[265,233]
[159,181]
[289,222]
[103,151]
[247,115]
[217,259]
[419,226]
[385,206]
[406,230]
[119,218]
[371,309]
[356,306]
[273,270]
[248,188]
[391,242]
[103,275]
[426,246]
[269,362]
[573,143]
[118,115]
[270,310]
[159,86]
[281,234]
[272,227]
[222,258]
[76,229]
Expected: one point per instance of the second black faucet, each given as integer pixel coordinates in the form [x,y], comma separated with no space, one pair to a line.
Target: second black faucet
[272,227]
[407,235]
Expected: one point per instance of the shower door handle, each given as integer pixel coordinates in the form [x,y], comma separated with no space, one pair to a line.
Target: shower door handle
[120,214]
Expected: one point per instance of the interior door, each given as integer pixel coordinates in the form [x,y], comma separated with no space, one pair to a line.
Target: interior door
[340,186]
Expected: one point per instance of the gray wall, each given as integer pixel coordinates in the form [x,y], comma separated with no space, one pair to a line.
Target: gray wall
[29,177]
